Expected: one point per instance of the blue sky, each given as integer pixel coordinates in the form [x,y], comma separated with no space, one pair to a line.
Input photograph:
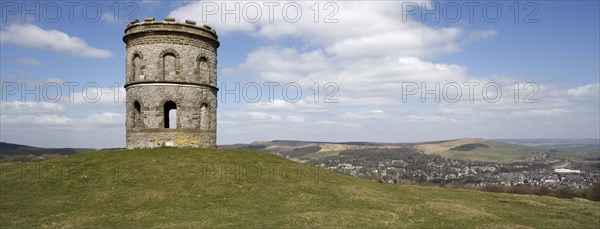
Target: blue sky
[368,56]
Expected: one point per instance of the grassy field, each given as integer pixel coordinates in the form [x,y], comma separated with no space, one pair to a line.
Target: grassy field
[173,188]
[502,152]
[321,154]
[497,152]
[494,151]
[575,154]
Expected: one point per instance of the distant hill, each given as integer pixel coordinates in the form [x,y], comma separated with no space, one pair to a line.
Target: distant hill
[466,148]
[9,149]
[504,150]
[469,147]
[590,144]
[572,149]
[192,188]
[480,150]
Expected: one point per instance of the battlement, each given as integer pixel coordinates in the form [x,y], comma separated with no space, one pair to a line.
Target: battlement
[169,25]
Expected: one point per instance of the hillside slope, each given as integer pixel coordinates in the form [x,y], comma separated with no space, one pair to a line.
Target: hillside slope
[465,148]
[16,149]
[480,150]
[238,188]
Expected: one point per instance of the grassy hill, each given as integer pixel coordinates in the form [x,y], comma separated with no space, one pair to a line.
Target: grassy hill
[9,149]
[502,151]
[493,151]
[169,188]
[480,150]
[580,150]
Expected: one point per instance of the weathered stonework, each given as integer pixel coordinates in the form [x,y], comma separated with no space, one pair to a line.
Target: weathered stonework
[171,65]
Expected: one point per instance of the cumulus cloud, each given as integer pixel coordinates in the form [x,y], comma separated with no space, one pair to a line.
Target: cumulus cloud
[480,35]
[375,81]
[421,41]
[37,120]
[32,36]
[29,61]
[92,94]
[283,105]
[371,99]
[18,107]
[105,119]
[585,92]
[372,114]
[264,117]
[538,113]
[344,28]
[68,123]
[369,53]
[95,113]
[104,129]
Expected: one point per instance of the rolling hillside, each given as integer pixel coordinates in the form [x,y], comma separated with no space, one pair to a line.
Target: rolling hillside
[9,149]
[506,151]
[476,149]
[480,150]
[173,188]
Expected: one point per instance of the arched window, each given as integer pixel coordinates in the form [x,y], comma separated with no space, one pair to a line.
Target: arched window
[204,116]
[170,113]
[137,115]
[169,66]
[137,67]
[203,69]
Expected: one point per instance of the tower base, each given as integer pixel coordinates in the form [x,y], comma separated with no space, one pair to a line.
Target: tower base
[170,138]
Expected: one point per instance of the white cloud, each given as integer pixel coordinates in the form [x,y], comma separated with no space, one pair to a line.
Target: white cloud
[374,81]
[585,92]
[288,59]
[368,55]
[358,28]
[283,105]
[110,17]
[92,94]
[255,116]
[19,74]
[419,41]
[32,36]
[538,113]
[103,130]
[105,119]
[432,119]
[78,121]
[370,99]
[372,114]
[29,61]
[17,107]
[196,10]
[43,120]
[94,120]
[480,35]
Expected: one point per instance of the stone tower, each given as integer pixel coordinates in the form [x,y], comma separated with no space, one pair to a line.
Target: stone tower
[171,84]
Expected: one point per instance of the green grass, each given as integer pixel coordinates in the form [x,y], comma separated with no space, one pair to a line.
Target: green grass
[506,152]
[321,154]
[497,152]
[168,188]
[575,154]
